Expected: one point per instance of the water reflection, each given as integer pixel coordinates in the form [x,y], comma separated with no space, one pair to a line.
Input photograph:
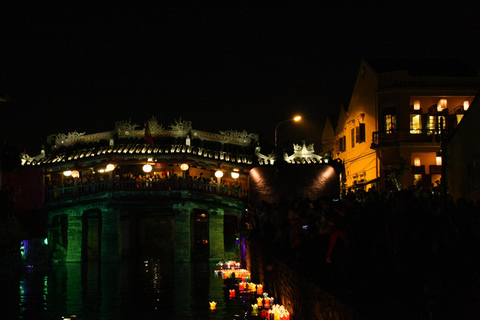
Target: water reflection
[143,289]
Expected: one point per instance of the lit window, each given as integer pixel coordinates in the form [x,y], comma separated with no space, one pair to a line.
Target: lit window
[390,119]
[459,118]
[415,123]
[435,124]
[417,178]
[390,123]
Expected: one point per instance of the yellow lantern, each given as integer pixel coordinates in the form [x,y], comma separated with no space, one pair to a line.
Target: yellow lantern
[75,174]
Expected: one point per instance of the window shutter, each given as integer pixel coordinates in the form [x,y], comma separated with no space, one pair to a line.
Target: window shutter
[362,132]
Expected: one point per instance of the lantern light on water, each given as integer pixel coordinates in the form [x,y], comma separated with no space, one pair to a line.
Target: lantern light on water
[213,305]
[259,301]
[259,289]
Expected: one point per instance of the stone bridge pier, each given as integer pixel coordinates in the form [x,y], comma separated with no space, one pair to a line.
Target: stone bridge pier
[107,229]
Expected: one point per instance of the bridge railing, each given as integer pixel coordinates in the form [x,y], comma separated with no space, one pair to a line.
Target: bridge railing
[132,185]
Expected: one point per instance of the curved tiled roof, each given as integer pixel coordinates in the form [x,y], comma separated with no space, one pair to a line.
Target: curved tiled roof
[137,147]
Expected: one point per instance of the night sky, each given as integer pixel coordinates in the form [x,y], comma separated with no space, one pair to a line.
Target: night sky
[68,66]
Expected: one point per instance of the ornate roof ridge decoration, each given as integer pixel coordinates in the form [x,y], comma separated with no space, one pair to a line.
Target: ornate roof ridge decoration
[237,134]
[302,154]
[26,159]
[154,126]
[181,126]
[264,159]
[125,128]
[226,137]
[62,138]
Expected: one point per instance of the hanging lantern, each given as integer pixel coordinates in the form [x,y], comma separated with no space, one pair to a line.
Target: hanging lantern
[75,174]
[147,168]
[416,162]
[441,105]
[416,105]
[466,105]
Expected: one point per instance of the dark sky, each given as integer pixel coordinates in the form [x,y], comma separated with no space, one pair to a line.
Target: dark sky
[68,66]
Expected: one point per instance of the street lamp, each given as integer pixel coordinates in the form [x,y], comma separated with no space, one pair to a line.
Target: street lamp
[296,119]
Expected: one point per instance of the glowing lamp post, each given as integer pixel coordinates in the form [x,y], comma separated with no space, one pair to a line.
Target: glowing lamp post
[296,119]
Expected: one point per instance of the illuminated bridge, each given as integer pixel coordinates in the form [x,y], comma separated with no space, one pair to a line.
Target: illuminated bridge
[176,192]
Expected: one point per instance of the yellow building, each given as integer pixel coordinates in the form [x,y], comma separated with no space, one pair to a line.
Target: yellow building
[390,134]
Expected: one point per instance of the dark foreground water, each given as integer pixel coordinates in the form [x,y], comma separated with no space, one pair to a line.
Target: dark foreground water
[143,289]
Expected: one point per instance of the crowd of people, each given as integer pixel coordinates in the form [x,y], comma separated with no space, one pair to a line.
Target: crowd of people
[406,249]
[169,180]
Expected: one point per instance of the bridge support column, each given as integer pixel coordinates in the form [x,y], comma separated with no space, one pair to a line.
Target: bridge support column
[182,233]
[74,236]
[111,235]
[217,245]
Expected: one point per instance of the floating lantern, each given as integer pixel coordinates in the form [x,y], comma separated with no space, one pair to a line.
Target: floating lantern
[266,303]
[264,314]
[241,286]
[259,301]
[254,308]
[232,293]
[259,289]
[213,305]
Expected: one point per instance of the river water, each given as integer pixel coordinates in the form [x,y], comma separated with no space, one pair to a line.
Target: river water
[138,289]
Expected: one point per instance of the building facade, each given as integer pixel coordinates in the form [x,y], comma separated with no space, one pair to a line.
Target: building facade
[391,133]
[462,157]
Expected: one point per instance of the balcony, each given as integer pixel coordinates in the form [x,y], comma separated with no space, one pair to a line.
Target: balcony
[83,189]
[393,138]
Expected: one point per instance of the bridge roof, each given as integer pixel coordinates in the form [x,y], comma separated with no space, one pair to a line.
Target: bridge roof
[134,148]
[126,142]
